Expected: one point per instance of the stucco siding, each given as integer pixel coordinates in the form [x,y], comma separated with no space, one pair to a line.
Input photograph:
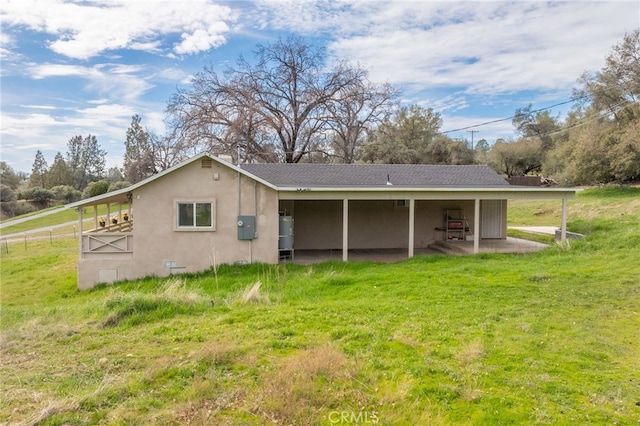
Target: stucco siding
[161,248]
[317,224]
[373,224]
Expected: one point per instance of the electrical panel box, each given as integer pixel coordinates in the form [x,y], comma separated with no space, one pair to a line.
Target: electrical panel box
[246,227]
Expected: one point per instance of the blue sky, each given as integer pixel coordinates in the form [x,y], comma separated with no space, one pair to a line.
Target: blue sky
[85,67]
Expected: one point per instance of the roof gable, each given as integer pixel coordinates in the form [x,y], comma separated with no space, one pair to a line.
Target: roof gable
[122,194]
[375,175]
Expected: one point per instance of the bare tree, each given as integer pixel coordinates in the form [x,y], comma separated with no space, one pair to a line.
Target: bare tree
[365,106]
[169,150]
[276,107]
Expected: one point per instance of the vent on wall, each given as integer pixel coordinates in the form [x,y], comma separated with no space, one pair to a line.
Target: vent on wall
[206,163]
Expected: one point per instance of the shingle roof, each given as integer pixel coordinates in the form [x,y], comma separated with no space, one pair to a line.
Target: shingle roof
[375,175]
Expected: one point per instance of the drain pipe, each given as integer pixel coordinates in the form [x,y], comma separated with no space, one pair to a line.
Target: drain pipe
[255,215]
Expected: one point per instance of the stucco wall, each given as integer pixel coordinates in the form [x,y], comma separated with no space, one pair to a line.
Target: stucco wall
[160,249]
[373,224]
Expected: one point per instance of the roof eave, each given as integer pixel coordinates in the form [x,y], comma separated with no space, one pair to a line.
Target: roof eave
[121,195]
[427,189]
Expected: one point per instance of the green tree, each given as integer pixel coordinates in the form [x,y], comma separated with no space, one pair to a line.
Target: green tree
[114,186]
[139,156]
[114,174]
[39,170]
[412,135]
[66,193]
[536,124]
[482,149]
[601,142]
[96,188]
[59,172]
[7,201]
[516,158]
[615,89]
[8,176]
[41,197]
[86,160]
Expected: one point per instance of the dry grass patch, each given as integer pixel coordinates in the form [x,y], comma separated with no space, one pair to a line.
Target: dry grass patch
[254,295]
[219,354]
[471,353]
[305,384]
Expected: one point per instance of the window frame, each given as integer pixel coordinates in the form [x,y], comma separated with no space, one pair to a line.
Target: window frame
[194,227]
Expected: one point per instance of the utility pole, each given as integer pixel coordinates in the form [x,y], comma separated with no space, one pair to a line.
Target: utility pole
[472,132]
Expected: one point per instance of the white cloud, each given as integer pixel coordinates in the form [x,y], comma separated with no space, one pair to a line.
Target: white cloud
[6,43]
[50,132]
[113,80]
[486,47]
[174,74]
[85,29]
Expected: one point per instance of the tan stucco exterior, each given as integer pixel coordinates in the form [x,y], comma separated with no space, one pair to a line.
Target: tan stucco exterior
[373,224]
[374,218]
[160,248]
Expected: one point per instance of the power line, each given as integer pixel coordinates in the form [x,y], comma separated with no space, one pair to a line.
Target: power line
[577,98]
[512,117]
[586,120]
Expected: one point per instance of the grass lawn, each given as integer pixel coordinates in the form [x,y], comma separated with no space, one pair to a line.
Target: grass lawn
[545,338]
[59,216]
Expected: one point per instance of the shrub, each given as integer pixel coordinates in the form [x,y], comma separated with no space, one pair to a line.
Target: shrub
[41,197]
[66,193]
[118,185]
[96,188]
[7,201]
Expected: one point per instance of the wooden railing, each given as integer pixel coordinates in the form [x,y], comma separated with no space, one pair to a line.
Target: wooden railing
[124,226]
[107,242]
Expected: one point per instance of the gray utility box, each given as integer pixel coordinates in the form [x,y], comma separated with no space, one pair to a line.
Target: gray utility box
[246,227]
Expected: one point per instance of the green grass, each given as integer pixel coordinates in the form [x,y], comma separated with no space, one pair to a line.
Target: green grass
[59,217]
[547,338]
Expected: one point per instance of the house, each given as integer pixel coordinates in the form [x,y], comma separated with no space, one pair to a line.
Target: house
[207,211]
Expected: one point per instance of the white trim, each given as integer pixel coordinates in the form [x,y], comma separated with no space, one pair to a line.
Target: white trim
[404,189]
[412,224]
[476,226]
[425,194]
[301,193]
[214,216]
[345,229]
[563,227]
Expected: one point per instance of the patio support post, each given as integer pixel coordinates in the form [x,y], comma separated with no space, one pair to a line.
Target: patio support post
[563,229]
[80,230]
[412,221]
[476,227]
[345,230]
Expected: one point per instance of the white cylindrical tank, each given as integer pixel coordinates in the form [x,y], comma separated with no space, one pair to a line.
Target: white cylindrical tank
[285,241]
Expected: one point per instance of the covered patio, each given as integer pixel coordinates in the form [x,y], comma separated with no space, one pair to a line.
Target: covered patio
[508,245]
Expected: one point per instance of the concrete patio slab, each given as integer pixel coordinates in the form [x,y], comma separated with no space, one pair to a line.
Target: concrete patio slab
[510,245]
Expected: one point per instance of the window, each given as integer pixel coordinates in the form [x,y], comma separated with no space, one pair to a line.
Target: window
[195,215]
